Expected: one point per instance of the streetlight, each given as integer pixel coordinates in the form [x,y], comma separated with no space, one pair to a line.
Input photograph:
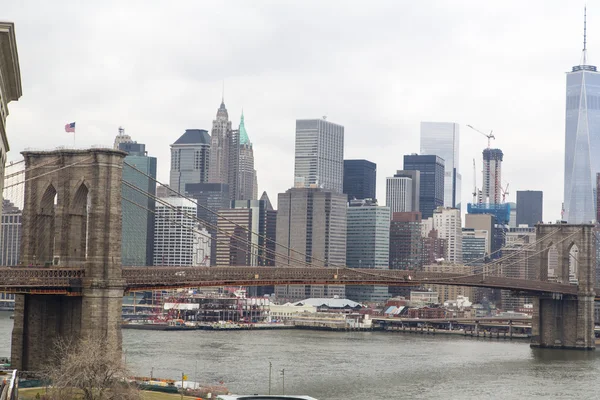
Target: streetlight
[270,369]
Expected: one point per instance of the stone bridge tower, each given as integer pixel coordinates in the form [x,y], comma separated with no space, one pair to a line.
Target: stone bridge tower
[561,321]
[71,219]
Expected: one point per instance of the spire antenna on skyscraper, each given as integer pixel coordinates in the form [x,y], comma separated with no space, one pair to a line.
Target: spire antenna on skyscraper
[223,92]
[585,35]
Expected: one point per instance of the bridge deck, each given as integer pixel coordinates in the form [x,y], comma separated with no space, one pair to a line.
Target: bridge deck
[69,280]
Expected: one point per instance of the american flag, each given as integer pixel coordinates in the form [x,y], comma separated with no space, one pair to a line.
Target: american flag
[70,127]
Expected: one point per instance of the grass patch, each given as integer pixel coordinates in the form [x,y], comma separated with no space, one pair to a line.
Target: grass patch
[30,393]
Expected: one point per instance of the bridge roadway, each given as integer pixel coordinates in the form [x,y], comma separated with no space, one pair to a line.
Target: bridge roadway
[68,281]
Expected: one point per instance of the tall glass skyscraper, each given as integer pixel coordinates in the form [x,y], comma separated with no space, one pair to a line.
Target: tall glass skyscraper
[367,246]
[431,192]
[137,208]
[190,156]
[360,179]
[319,155]
[442,139]
[582,142]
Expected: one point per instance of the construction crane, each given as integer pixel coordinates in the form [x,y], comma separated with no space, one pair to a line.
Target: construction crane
[489,136]
[504,193]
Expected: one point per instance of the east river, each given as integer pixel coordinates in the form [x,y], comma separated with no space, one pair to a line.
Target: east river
[372,365]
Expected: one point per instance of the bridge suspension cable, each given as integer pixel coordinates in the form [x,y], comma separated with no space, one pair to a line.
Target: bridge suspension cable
[25,170]
[269,254]
[48,173]
[505,247]
[208,236]
[208,224]
[495,267]
[527,247]
[264,237]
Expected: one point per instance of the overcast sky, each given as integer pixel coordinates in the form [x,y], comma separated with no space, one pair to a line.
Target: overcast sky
[378,68]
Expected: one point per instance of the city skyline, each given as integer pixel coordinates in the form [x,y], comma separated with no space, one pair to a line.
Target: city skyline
[460,91]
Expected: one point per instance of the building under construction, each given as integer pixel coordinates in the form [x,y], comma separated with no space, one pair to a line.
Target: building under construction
[217,307]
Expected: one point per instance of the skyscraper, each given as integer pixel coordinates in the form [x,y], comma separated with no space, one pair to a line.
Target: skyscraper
[434,247]
[224,152]
[122,137]
[405,241]
[402,191]
[189,159]
[442,139]
[234,238]
[431,193]
[138,210]
[519,262]
[270,232]
[474,245]
[11,234]
[311,228]
[447,222]
[319,154]
[598,200]
[367,246]
[210,198]
[246,234]
[178,240]
[484,223]
[360,179]
[247,173]
[582,141]
[530,204]
[491,191]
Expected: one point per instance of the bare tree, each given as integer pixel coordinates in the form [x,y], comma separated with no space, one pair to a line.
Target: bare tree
[88,369]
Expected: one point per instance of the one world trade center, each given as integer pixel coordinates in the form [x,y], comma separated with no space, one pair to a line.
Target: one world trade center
[582,141]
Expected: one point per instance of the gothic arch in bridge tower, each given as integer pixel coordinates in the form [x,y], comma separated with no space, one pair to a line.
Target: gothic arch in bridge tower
[552,262]
[44,224]
[573,263]
[77,224]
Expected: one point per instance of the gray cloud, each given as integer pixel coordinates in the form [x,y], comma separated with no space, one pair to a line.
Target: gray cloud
[377,68]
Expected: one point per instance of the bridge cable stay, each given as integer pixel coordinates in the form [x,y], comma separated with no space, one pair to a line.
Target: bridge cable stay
[519,261]
[194,217]
[24,170]
[264,237]
[207,224]
[14,192]
[484,268]
[14,163]
[48,173]
[199,232]
[21,182]
[495,265]
[528,246]
[292,250]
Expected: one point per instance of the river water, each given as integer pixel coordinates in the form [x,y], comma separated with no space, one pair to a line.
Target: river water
[359,365]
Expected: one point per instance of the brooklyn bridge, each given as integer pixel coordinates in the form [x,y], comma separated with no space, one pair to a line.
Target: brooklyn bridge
[71,282]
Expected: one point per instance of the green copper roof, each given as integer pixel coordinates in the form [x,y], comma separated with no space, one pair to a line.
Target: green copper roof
[243,134]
